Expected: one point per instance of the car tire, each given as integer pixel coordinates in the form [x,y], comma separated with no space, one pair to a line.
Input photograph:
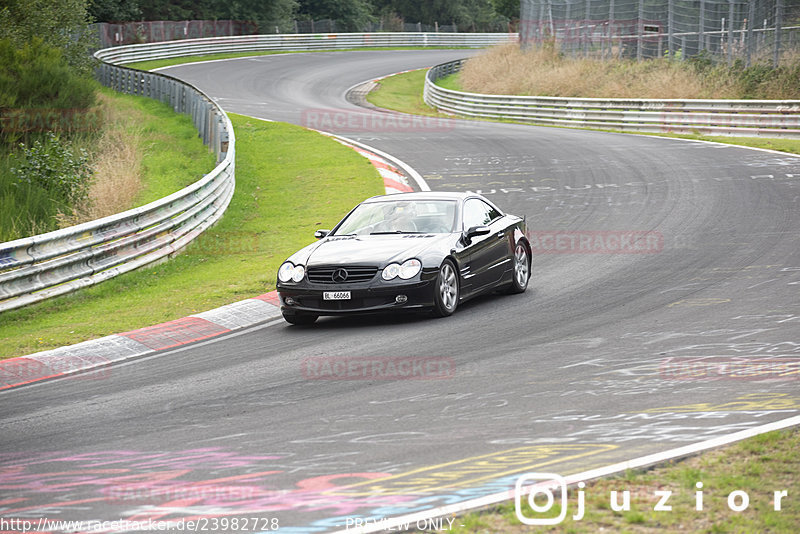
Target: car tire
[445,292]
[300,319]
[522,270]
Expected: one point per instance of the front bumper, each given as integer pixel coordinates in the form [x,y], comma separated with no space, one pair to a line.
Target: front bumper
[307,298]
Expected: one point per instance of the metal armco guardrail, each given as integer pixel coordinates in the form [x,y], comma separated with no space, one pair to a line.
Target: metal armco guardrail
[43,266]
[39,267]
[754,118]
[299,42]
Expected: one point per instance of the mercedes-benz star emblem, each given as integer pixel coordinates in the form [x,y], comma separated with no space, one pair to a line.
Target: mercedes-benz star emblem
[339,275]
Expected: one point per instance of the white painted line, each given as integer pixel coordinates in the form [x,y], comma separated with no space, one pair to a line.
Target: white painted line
[134,356]
[643,461]
[253,56]
[718,143]
[417,177]
[188,346]
[240,314]
[259,118]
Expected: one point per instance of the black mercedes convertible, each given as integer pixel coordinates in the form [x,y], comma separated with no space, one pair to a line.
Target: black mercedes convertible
[410,251]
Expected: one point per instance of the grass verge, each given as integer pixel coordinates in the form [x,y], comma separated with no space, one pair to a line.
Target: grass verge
[451,81]
[289,181]
[758,466]
[403,92]
[160,63]
[169,153]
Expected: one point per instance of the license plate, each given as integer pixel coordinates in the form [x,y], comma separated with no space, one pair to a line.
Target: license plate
[336,295]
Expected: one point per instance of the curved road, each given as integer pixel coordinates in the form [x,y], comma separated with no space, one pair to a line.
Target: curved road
[581,371]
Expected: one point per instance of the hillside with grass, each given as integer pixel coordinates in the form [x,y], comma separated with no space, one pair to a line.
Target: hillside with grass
[543,71]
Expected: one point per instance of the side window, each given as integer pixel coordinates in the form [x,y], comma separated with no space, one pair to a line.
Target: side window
[476,213]
[493,213]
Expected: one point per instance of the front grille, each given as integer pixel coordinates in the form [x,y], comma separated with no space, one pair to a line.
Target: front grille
[325,275]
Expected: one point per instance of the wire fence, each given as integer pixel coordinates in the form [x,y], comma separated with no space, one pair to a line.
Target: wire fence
[753,31]
[166,30]
[393,25]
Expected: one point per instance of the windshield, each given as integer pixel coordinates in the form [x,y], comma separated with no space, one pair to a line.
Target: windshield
[400,217]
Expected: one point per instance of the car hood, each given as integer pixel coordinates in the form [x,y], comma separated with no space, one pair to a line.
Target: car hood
[378,250]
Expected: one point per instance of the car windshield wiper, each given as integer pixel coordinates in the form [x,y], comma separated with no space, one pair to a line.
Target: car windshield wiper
[394,232]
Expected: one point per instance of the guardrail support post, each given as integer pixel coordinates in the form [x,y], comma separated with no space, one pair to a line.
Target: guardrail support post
[670,26]
[701,27]
[776,60]
[751,20]
[730,31]
[640,31]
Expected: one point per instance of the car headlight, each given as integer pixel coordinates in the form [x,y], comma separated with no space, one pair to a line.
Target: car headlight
[391,271]
[290,272]
[298,273]
[285,272]
[408,269]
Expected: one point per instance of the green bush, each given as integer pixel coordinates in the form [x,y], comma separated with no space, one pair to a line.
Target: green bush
[752,79]
[25,209]
[64,24]
[783,83]
[702,61]
[54,166]
[40,92]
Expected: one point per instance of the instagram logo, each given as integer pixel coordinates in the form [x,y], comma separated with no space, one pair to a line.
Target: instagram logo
[546,485]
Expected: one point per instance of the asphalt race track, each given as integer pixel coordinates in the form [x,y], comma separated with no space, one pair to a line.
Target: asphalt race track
[612,353]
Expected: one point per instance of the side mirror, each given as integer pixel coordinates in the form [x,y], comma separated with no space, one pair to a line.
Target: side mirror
[319,234]
[475,231]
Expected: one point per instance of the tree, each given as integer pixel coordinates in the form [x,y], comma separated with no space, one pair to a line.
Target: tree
[507,8]
[175,9]
[115,10]
[63,23]
[465,13]
[351,15]
[267,13]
